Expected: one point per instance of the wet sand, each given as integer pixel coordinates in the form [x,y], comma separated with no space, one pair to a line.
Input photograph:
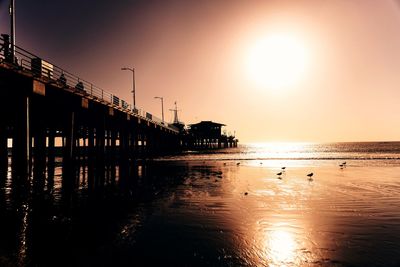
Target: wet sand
[229,215]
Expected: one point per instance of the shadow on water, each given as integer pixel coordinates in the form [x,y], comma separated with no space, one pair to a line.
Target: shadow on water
[71,216]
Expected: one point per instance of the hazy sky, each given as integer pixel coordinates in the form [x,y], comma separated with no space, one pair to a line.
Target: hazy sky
[198,53]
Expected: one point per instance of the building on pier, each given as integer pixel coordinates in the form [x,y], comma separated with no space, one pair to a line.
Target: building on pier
[208,135]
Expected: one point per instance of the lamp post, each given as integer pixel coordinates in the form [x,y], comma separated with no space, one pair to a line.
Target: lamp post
[162,106]
[12,28]
[133,85]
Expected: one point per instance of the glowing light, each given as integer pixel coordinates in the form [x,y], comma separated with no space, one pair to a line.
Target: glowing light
[280,247]
[279,150]
[278,61]
[281,146]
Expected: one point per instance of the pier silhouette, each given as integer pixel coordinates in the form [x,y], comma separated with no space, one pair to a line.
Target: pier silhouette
[48,111]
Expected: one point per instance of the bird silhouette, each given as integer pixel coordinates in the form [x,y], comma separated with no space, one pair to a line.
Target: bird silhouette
[341,166]
[283,168]
[237,164]
[279,175]
[310,176]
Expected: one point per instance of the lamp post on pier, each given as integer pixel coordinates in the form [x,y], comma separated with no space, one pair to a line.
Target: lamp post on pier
[133,85]
[162,106]
[12,29]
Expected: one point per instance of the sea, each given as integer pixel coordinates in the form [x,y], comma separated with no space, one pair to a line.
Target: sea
[264,204]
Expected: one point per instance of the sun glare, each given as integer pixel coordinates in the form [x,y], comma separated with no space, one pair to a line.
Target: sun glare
[281,248]
[278,61]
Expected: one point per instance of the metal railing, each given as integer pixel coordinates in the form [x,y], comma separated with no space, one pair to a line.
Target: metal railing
[51,73]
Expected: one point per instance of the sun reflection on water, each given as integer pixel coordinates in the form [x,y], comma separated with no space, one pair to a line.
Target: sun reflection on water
[280,150]
[280,248]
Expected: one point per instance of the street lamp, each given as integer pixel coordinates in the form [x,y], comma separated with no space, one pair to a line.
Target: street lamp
[133,85]
[12,30]
[162,106]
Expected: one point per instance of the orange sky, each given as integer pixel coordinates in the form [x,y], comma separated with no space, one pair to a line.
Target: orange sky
[196,52]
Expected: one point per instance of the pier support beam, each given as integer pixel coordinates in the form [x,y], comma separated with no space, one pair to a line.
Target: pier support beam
[123,154]
[69,152]
[132,144]
[39,157]
[50,158]
[21,163]
[112,154]
[3,154]
[91,158]
[100,151]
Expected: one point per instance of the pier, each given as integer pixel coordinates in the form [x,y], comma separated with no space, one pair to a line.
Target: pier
[47,111]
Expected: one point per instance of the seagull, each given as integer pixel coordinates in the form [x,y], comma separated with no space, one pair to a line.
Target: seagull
[237,164]
[279,175]
[310,176]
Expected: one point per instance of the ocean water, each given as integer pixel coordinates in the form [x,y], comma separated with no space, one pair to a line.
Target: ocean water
[301,151]
[220,208]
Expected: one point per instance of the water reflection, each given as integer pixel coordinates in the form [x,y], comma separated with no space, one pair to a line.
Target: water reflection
[205,214]
[23,235]
[280,150]
[280,247]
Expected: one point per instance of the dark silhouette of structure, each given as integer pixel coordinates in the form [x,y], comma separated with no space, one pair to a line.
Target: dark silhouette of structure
[47,110]
[208,135]
[176,123]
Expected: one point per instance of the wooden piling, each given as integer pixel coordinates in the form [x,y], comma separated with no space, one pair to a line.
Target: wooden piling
[91,158]
[21,163]
[100,151]
[39,158]
[3,154]
[50,158]
[69,152]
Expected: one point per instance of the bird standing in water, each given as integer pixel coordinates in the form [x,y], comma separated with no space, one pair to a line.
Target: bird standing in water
[310,175]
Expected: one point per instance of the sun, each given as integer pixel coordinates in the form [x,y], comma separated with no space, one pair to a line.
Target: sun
[278,61]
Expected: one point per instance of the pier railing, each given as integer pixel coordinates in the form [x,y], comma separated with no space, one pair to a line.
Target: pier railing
[25,61]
